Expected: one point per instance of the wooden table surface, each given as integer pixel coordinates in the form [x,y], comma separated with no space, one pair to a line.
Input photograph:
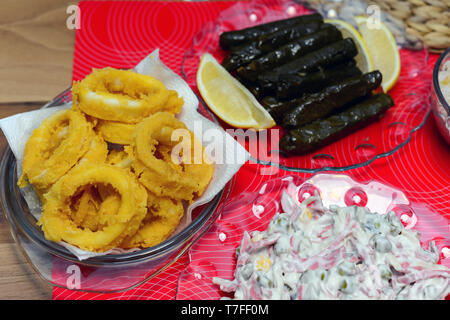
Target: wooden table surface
[36,64]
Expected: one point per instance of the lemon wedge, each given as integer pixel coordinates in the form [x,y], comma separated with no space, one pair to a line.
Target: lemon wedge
[383,49]
[228,98]
[363,59]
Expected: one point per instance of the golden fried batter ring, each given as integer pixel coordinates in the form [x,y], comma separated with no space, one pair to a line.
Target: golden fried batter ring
[97,152]
[119,158]
[93,205]
[163,217]
[122,133]
[57,222]
[116,132]
[174,103]
[183,179]
[84,205]
[119,95]
[54,148]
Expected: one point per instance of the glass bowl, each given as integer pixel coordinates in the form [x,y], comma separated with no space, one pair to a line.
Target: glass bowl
[382,138]
[106,273]
[439,105]
[253,211]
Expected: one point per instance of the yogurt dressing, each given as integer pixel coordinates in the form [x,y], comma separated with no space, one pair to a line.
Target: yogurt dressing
[313,252]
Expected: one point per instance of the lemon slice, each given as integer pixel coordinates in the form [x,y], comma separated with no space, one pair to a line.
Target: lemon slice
[228,98]
[383,48]
[364,58]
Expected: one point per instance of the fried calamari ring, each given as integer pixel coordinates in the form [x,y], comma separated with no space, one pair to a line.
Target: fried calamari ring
[116,132]
[122,133]
[54,148]
[97,152]
[186,178]
[56,220]
[84,204]
[119,95]
[119,158]
[93,205]
[163,217]
[174,103]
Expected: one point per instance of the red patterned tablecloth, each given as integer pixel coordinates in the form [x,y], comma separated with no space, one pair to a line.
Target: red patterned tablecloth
[120,34]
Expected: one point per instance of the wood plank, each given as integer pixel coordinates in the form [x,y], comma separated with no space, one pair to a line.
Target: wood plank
[18,280]
[37,49]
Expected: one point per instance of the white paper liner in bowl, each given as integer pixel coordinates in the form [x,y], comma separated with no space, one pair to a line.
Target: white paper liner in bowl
[18,128]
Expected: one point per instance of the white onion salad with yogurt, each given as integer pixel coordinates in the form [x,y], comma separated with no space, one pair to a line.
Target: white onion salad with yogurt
[313,252]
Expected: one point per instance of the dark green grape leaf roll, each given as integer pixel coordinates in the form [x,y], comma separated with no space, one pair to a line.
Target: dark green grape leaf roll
[325,35]
[235,38]
[275,107]
[244,54]
[324,131]
[314,106]
[329,55]
[294,85]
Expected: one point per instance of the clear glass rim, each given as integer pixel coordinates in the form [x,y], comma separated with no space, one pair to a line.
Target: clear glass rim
[436,84]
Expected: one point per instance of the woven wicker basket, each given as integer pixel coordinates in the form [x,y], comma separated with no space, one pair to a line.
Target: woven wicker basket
[428,20]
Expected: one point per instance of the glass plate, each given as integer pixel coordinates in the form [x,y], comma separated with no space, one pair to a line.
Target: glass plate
[382,138]
[254,210]
[108,273]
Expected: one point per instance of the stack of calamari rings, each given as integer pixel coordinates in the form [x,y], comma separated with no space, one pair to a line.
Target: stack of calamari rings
[108,171]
